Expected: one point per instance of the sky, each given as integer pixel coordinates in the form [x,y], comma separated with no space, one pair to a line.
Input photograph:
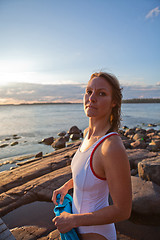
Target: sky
[49,48]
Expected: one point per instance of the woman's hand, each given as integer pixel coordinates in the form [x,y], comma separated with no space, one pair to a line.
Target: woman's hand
[62,191]
[64,222]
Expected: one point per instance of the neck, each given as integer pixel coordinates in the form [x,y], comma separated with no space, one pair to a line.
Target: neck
[98,128]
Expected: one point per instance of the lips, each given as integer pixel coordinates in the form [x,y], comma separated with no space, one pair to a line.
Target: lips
[91,107]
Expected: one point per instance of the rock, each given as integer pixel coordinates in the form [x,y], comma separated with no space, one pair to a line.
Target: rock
[134,172]
[4,145]
[150,170]
[5,232]
[145,201]
[135,156]
[139,136]
[150,130]
[28,232]
[75,136]
[7,139]
[36,180]
[129,131]
[48,141]
[66,137]
[16,137]
[124,127]
[62,134]
[152,125]
[140,130]
[40,154]
[59,143]
[138,144]
[14,143]
[153,146]
[127,143]
[74,130]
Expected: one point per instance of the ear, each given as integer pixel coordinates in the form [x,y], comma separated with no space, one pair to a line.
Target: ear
[113,104]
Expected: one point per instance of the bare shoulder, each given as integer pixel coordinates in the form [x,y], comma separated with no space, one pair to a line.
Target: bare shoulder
[113,148]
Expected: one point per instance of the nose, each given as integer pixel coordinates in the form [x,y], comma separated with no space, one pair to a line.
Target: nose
[92,97]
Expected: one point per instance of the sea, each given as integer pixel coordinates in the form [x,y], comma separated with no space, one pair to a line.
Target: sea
[29,124]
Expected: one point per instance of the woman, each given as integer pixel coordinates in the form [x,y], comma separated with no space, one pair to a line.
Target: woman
[99,167]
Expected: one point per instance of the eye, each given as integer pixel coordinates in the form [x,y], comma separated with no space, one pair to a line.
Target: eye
[102,94]
[89,92]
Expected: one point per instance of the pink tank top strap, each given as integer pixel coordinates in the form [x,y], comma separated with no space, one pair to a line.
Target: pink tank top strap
[102,139]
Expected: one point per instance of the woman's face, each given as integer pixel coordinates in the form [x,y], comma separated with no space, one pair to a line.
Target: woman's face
[98,98]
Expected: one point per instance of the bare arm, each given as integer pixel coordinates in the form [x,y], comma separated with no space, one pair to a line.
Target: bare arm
[63,190]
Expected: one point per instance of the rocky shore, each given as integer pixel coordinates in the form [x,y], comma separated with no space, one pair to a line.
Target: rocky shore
[32,183]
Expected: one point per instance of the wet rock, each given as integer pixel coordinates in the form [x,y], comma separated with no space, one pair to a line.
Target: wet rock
[59,143]
[67,137]
[14,143]
[74,130]
[40,154]
[152,125]
[150,169]
[16,137]
[62,134]
[48,141]
[7,139]
[75,136]
[4,145]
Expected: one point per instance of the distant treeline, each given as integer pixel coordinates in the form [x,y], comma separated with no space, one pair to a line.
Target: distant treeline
[133,100]
[142,100]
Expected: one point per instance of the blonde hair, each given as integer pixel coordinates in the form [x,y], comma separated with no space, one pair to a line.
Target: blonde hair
[115,116]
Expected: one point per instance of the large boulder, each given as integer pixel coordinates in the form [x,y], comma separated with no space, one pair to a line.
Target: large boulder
[48,141]
[59,143]
[75,136]
[145,201]
[74,130]
[149,169]
[135,156]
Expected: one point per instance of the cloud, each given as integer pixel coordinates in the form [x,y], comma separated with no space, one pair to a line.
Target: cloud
[141,91]
[153,13]
[17,93]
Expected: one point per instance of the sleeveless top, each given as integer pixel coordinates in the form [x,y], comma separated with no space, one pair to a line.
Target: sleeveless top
[91,192]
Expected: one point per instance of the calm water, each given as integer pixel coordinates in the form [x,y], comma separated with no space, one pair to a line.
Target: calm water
[35,122]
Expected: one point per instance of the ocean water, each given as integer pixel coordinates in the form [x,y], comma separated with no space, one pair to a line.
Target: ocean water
[32,123]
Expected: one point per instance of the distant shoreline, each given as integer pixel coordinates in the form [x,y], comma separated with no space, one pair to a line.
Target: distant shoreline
[134,100]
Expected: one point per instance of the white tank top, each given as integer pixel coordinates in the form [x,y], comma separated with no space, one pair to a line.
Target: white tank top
[90,191]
